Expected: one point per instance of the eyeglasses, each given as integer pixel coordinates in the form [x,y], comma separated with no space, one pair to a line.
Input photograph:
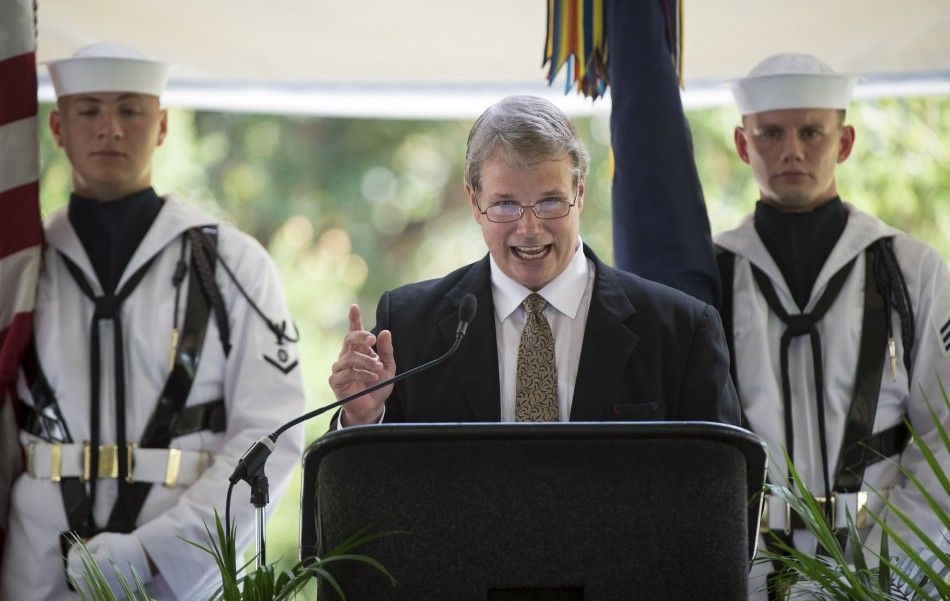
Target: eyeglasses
[507,211]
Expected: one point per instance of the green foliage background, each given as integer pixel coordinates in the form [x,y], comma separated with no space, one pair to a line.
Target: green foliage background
[350,208]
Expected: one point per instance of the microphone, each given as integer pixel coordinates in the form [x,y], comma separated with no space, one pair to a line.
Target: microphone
[251,464]
[466,313]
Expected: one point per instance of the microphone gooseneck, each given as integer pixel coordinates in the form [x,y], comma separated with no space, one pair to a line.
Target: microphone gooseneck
[252,462]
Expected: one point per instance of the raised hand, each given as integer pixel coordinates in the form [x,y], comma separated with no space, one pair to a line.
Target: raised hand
[358,367]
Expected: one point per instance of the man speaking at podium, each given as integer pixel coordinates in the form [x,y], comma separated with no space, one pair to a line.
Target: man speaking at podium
[558,335]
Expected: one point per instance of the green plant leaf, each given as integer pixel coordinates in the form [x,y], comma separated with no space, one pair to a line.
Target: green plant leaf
[923,571]
[910,550]
[323,573]
[883,569]
[267,583]
[359,539]
[362,559]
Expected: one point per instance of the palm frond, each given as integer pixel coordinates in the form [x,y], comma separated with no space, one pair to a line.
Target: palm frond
[95,580]
[922,573]
[267,583]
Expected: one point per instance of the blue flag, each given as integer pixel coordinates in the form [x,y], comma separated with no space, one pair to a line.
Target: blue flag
[660,225]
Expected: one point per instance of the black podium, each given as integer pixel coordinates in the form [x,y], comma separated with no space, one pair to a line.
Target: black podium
[541,512]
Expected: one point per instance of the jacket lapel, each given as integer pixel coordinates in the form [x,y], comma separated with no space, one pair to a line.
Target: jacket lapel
[608,345]
[476,361]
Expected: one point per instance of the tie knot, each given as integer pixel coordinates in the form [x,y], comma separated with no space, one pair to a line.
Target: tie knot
[107,307]
[799,325]
[534,303]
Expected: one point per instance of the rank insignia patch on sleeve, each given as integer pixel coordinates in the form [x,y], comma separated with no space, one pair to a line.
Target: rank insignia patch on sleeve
[280,354]
[281,360]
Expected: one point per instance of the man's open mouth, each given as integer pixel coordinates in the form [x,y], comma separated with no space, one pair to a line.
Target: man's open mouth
[530,253]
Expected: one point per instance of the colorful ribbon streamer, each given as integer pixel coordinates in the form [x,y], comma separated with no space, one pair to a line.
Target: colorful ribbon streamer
[576,39]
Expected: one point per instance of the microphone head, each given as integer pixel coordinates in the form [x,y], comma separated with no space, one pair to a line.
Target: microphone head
[467,308]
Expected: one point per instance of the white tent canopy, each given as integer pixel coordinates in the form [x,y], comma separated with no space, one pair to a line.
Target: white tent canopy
[450,58]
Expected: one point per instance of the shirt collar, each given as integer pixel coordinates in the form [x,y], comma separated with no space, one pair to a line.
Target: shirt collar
[564,292]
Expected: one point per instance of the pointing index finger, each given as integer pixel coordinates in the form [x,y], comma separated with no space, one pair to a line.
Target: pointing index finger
[356,324]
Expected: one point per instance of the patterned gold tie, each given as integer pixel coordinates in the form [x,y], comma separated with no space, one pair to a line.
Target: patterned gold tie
[536,387]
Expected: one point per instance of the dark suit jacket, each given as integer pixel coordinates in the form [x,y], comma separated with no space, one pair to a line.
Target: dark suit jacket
[650,352]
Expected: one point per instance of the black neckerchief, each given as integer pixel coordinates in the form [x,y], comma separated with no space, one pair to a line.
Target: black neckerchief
[111,231]
[800,242]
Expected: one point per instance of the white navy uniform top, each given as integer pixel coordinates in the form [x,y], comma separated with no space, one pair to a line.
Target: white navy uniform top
[259,395]
[757,332]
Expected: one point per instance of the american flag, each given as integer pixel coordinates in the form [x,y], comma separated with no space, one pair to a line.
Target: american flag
[20,229]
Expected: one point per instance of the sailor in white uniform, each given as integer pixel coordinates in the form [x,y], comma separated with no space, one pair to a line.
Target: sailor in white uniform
[163,350]
[839,324]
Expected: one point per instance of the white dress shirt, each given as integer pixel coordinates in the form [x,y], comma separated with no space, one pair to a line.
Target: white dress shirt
[568,297]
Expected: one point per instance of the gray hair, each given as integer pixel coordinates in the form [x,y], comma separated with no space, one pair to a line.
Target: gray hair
[525,130]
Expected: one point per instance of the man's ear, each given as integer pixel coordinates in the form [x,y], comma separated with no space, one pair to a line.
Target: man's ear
[742,144]
[845,143]
[470,192]
[56,127]
[162,127]
[580,194]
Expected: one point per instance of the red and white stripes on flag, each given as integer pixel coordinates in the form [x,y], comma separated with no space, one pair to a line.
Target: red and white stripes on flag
[20,228]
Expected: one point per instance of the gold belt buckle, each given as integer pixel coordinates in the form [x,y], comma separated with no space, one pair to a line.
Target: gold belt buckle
[860,516]
[764,521]
[822,503]
[130,462]
[86,461]
[172,468]
[31,459]
[861,519]
[108,461]
[55,460]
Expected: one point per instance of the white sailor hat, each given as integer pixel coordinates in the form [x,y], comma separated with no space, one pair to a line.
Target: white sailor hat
[791,81]
[107,67]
